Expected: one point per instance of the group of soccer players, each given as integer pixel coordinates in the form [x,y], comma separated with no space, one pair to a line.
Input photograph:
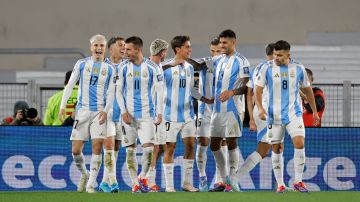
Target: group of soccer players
[128,97]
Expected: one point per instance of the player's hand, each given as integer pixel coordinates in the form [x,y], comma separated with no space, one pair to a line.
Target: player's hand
[224,96]
[126,118]
[159,119]
[102,117]
[19,115]
[207,101]
[61,115]
[262,114]
[252,125]
[316,119]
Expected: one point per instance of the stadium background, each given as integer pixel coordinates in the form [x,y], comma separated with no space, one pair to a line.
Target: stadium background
[40,40]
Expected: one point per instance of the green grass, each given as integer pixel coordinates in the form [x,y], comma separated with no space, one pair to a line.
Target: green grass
[181,196]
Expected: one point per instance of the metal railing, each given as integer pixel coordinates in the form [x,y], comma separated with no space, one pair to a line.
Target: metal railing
[342,100]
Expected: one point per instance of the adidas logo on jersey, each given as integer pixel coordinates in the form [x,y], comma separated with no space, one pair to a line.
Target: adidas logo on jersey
[276,75]
[129,75]
[175,73]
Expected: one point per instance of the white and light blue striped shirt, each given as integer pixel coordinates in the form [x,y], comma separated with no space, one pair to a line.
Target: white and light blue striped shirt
[283,84]
[178,93]
[229,71]
[96,85]
[137,85]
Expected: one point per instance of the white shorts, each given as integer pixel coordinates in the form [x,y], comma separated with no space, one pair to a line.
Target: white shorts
[172,129]
[114,129]
[225,125]
[276,132]
[87,124]
[160,137]
[142,129]
[261,127]
[203,126]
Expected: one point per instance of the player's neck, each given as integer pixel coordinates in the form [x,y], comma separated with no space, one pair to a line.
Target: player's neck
[231,52]
[98,59]
[179,60]
[139,60]
[115,60]
[155,59]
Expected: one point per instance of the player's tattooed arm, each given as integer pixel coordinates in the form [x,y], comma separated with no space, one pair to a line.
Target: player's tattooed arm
[243,88]
[197,65]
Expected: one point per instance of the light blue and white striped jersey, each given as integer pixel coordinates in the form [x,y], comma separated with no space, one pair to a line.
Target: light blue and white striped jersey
[158,96]
[115,111]
[96,85]
[206,84]
[283,84]
[136,88]
[229,71]
[254,74]
[179,90]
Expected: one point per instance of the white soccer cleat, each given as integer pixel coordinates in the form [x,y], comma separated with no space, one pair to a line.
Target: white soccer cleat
[82,182]
[170,189]
[90,190]
[189,188]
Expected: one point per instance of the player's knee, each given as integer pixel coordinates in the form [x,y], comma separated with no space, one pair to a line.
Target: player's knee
[298,142]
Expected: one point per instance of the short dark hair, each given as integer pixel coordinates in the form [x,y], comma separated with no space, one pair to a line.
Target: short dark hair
[113,40]
[215,41]
[137,41]
[67,77]
[269,49]
[308,71]
[227,34]
[282,45]
[179,41]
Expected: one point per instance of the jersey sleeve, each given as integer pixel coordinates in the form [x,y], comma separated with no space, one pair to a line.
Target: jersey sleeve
[304,80]
[244,67]
[261,79]
[75,75]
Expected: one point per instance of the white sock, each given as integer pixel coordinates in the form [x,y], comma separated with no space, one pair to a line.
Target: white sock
[169,174]
[188,167]
[109,170]
[218,176]
[249,163]
[224,149]
[299,164]
[80,163]
[146,160]
[95,164]
[234,160]
[132,165]
[116,153]
[220,160]
[151,176]
[278,167]
[201,158]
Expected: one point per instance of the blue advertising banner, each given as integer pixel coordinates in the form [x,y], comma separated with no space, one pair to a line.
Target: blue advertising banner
[39,158]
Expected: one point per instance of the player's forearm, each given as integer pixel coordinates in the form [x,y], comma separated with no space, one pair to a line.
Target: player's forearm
[250,104]
[240,91]
[258,96]
[310,98]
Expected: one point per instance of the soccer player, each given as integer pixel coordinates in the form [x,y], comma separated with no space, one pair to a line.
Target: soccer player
[231,75]
[116,46]
[179,112]
[256,124]
[95,97]
[206,83]
[139,81]
[284,78]
[158,51]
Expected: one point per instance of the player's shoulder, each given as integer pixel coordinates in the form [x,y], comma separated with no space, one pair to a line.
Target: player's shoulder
[241,59]
[150,63]
[296,63]
[124,63]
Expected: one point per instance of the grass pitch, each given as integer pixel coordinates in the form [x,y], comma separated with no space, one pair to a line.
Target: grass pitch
[250,196]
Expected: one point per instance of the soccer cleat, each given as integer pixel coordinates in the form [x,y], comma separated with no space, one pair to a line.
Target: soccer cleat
[300,187]
[114,188]
[144,185]
[233,184]
[189,188]
[228,188]
[154,188]
[281,189]
[170,189]
[218,187]
[82,182]
[90,190]
[136,189]
[203,187]
[104,187]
